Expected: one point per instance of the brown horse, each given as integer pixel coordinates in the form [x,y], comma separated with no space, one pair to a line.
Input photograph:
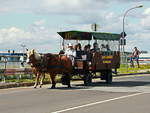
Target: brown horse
[51,64]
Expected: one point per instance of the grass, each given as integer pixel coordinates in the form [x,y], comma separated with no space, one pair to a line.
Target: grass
[21,80]
[27,79]
[127,69]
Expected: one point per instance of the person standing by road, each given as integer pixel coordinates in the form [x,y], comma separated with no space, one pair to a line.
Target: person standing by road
[135,55]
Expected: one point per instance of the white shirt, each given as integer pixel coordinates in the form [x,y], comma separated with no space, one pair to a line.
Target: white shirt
[70,52]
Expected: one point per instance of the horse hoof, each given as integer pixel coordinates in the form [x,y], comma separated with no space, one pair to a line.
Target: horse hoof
[35,87]
[40,86]
[69,86]
[53,87]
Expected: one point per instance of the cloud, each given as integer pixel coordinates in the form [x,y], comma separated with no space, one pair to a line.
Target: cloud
[8,6]
[54,6]
[58,6]
[139,40]
[138,0]
[11,35]
[37,37]
[145,22]
[82,14]
[47,6]
[68,7]
[40,22]
[138,33]
[147,11]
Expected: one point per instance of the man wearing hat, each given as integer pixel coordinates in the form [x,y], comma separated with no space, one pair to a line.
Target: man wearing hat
[70,53]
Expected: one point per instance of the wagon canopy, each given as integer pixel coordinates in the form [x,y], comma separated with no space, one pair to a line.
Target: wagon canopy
[105,36]
[75,35]
[81,35]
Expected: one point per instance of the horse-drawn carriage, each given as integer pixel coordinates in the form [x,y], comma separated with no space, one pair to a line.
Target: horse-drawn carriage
[101,61]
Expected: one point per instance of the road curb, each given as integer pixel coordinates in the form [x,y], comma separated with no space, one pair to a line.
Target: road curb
[14,85]
[131,74]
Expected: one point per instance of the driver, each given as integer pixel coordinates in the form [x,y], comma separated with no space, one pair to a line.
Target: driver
[70,53]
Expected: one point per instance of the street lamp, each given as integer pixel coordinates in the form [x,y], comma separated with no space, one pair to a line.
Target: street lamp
[123,33]
[140,6]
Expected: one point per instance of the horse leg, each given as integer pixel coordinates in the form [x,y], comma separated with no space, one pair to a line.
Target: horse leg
[36,80]
[41,81]
[69,85]
[53,80]
[68,79]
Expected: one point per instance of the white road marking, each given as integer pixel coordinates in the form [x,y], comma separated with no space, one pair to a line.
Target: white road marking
[98,102]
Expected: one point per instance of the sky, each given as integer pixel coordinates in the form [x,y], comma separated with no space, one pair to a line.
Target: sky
[35,23]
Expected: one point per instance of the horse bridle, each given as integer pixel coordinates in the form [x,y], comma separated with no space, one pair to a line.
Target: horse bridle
[31,60]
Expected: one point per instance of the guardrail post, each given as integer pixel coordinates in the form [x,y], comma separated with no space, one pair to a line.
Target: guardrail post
[18,78]
[124,61]
[5,67]
[4,79]
[31,77]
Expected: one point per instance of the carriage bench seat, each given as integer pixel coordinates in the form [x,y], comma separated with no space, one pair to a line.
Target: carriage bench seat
[79,64]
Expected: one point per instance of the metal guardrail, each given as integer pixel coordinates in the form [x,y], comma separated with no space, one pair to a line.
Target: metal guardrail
[12,65]
[4,73]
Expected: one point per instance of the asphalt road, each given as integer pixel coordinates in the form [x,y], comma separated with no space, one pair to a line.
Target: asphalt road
[124,95]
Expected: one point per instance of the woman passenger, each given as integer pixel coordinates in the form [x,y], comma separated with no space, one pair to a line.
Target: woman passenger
[78,49]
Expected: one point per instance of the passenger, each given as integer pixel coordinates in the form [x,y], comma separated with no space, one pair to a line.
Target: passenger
[103,48]
[71,53]
[95,48]
[88,47]
[108,51]
[78,51]
[87,53]
[107,48]
[78,47]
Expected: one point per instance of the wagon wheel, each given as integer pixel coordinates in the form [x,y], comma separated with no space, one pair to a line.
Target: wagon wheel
[65,79]
[103,75]
[87,79]
[109,77]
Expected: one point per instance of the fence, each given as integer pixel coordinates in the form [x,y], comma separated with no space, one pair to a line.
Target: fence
[12,65]
[125,61]
[144,63]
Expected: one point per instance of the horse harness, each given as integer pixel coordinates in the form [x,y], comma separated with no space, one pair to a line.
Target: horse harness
[43,63]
